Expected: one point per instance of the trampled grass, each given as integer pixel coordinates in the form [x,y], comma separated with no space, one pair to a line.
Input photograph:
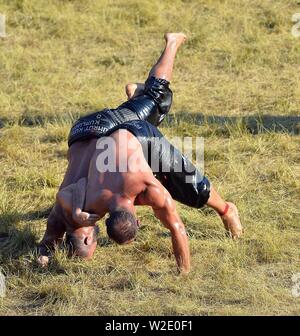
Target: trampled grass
[236,82]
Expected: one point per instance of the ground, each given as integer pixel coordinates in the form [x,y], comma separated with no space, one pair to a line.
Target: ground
[236,83]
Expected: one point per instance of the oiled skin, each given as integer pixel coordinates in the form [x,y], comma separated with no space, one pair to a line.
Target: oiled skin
[106,191]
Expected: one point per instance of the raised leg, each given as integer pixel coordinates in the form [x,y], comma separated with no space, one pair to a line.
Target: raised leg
[163,68]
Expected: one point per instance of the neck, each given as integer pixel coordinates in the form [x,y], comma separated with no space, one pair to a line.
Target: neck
[122,202]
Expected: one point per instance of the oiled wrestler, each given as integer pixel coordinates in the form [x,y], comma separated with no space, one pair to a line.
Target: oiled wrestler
[145,109]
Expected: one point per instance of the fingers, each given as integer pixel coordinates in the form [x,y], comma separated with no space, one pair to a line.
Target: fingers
[84,218]
[93,217]
[43,261]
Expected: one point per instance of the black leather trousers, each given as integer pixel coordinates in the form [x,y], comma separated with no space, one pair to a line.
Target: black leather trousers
[140,116]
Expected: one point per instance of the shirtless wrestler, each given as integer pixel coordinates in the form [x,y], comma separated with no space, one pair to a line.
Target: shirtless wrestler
[87,193]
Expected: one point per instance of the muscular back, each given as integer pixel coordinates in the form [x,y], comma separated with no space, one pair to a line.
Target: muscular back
[127,176]
[79,157]
[131,182]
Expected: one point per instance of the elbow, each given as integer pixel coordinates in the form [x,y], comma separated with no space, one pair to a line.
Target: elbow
[58,198]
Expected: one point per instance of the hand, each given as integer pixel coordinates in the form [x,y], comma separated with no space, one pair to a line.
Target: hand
[43,256]
[184,271]
[84,218]
[43,261]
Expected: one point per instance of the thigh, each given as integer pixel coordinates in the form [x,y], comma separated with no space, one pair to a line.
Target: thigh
[179,175]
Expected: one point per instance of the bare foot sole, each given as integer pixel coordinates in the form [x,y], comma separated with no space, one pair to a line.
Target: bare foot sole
[177,38]
[231,221]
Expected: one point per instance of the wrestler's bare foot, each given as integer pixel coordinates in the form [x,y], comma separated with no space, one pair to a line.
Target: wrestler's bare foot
[134,89]
[176,38]
[232,221]
[130,89]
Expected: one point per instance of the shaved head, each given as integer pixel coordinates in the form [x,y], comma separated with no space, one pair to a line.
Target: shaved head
[121,226]
[82,242]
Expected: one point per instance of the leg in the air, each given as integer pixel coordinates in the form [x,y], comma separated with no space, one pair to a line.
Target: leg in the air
[163,68]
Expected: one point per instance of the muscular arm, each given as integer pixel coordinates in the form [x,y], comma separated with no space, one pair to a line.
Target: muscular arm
[53,235]
[54,232]
[165,210]
[72,199]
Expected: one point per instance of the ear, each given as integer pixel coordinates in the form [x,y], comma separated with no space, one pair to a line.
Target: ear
[88,240]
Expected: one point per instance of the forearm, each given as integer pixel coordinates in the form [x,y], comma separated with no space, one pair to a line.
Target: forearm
[54,232]
[181,249]
[72,197]
[179,239]
[165,210]
[78,196]
[64,199]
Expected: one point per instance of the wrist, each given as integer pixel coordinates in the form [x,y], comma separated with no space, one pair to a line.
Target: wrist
[184,269]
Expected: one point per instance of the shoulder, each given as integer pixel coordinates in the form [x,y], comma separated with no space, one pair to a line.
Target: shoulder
[154,194]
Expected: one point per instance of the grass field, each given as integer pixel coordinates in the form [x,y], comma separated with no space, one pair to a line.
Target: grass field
[236,82]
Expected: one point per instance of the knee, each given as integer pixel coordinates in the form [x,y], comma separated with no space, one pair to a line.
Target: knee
[203,192]
[160,91]
[163,106]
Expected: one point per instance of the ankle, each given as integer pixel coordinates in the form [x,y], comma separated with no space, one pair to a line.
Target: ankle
[172,43]
[224,211]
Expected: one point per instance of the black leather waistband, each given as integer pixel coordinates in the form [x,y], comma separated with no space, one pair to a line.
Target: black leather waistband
[152,105]
[96,125]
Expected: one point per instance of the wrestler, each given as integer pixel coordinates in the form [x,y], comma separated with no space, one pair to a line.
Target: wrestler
[80,201]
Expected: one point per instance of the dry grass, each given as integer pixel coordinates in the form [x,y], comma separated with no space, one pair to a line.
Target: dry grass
[236,83]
